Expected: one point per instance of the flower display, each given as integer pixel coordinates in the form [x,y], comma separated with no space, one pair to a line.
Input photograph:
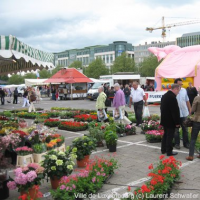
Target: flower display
[154,135]
[22,151]
[130,129]
[162,178]
[26,177]
[85,117]
[87,181]
[21,133]
[73,126]
[52,122]
[58,164]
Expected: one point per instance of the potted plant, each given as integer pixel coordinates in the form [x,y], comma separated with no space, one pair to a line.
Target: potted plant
[154,136]
[23,151]
[85,145]
[39,150]
[58,164]
[52,122]
[98,134]
[27,180]
[130,130]
[73,126]
[111,140]
[22,123]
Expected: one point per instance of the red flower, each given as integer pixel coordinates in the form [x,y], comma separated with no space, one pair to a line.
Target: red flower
[129,188]
[161,157]
[151,166]
[23,197]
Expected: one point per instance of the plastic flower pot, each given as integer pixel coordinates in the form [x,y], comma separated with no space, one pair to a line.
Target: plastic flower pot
[83,162]
[32,193]
[112,148]
[55,182]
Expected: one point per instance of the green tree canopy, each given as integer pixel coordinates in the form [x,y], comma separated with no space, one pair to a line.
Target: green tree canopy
[30,76]
[16,79]
[148,66]
[96,69]
[123,63]
[45,73]
[76,64]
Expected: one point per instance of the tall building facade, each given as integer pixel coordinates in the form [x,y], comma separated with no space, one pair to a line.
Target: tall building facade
[141,51]
[107,53]
[188,39]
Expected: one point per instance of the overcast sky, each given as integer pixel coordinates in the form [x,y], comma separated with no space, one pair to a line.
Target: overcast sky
[58,25]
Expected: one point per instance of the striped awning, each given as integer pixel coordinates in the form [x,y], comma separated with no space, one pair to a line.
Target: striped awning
[16,56]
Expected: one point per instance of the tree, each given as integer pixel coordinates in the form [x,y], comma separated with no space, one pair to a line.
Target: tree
[123,64]
[4,78]
[148,66]
[76,64]
[56,69]
[96,69]
[16,79]
[30,76]
[45,73]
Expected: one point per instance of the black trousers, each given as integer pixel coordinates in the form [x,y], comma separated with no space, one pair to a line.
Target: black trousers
[166,145]
[138,107]
[15,99]
[2,100]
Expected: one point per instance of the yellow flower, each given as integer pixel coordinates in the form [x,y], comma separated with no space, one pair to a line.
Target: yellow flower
[59,162]
[53,157]
[70,167]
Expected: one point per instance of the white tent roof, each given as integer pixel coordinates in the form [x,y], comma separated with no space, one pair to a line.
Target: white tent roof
[30,82]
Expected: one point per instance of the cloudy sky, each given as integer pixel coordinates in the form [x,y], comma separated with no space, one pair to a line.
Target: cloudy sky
[57,25]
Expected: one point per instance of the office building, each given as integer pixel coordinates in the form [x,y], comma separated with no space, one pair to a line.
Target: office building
[188,39]
[141,51]
[107,53]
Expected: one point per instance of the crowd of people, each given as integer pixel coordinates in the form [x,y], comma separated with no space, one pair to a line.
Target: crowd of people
[176,105]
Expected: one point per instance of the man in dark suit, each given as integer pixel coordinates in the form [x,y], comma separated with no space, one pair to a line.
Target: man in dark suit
[170,119]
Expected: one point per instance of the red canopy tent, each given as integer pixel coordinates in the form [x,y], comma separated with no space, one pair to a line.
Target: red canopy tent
[69,76]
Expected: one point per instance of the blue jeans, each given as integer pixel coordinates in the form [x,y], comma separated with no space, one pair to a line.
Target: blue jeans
[127,98]
[185,133]
[194,135]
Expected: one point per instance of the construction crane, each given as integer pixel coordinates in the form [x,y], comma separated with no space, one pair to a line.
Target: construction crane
[164,27]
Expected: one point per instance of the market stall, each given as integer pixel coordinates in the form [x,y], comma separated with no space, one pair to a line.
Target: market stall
[16,56]
[70,83]
[31,82]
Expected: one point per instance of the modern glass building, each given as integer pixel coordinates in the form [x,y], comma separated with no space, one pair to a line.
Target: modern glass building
[107,53]
[141,51]
[188,39]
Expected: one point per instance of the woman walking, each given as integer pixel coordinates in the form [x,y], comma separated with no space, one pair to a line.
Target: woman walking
[32,98]
[25,96]
[195,127]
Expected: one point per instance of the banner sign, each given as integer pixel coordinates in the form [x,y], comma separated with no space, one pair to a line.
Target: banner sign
[154,96]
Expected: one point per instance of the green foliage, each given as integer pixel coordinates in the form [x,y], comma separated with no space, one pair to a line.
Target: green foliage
[39,148]
[96,69]
[148,66]
[111,138]
[56,69]
[45,73]
[76,64]
[96,133]
[16,79]
[4,78]
[123,64]
[85,145]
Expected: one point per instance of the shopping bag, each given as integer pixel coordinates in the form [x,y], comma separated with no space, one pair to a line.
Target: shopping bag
[146,112]
[117,114]
[102,115]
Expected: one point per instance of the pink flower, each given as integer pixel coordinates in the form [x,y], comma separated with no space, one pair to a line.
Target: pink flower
[17,171]
[62,187]
[98,173]
[73,186]
[31,176]
[11,185]
[21,179]
[93,179]
[67,188]
[103,174]
[33,165]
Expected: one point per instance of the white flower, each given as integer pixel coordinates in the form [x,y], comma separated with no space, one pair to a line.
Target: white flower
[53,157]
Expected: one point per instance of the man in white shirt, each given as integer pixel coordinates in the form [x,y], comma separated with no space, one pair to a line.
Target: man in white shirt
[185,110]
[137,96]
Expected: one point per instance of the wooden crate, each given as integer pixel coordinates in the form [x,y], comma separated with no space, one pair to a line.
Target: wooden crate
[38,157]
[24,160]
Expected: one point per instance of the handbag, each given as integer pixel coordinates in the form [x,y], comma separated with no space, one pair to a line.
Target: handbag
[108,102]
[188,122]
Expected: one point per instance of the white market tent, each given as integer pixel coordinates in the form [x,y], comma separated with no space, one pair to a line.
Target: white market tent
[16,56]
[30,82]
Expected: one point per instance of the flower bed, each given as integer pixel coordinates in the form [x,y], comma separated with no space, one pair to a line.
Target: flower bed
[73,126]
[154,135]
[52,122]
[26,115]
[85,117]
[150,125]
[161,182]
[87,181]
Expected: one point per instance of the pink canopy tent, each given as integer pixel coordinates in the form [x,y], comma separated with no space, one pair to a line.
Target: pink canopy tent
[178,63]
